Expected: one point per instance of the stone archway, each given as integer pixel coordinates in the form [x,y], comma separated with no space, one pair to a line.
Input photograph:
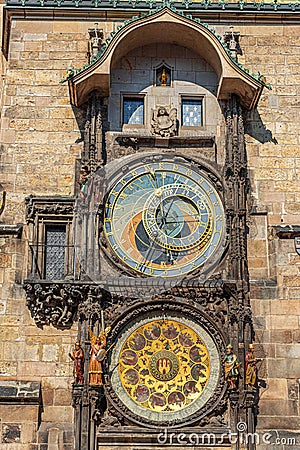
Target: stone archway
[169,27]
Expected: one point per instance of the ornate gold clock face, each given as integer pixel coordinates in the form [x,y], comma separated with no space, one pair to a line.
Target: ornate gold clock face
[164,369]
[164,219]
[164,365]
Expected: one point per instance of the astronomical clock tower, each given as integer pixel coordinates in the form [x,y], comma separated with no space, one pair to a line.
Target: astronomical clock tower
[160,236]
[154,275]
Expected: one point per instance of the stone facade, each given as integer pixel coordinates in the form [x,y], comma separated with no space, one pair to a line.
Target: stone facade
[42,141]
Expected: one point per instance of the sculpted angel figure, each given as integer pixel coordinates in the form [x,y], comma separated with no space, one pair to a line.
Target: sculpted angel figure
[98,345]
[164,122]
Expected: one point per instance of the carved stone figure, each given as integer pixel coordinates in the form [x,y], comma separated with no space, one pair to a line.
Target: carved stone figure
[164,121]
[78,357]
[98,345]
[251,368]
[231,367]
[84,177]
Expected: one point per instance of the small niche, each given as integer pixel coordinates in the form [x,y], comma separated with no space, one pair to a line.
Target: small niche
[163,75]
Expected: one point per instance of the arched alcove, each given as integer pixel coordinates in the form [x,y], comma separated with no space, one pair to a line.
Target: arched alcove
[192,79]
[167,27]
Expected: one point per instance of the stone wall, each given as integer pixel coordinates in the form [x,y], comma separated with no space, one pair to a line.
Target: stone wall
[274,158]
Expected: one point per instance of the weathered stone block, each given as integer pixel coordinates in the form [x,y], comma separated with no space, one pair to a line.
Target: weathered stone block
[282,336]
[19,413]
[20,77]
[47,77]
[282,322]
[276,389]
[11,433]
[64,413]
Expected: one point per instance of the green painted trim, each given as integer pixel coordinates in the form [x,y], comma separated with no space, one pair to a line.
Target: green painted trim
[71,72]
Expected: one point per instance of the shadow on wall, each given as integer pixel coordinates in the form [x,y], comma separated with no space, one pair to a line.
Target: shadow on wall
[80,116]
[255,127]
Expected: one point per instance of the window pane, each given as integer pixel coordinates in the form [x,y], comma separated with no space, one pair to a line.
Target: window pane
[133,111]
[191,113]
[55,252]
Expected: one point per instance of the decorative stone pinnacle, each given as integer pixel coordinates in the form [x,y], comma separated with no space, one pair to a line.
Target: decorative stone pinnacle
[96,36]
[231,39]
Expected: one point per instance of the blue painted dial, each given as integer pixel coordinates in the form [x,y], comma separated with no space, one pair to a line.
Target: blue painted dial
[164,219]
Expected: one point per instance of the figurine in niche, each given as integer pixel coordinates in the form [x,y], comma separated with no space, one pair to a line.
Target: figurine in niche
[231,367]
[98,346]
[164,121]
[251,367]
[78,357]
[163,77]
[83,179]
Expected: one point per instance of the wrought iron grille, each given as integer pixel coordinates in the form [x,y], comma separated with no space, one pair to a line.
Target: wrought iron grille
[55,252]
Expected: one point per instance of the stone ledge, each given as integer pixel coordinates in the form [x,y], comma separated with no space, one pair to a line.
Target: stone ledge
[20,392]
[263,289]
[135,141]
[286,231]
[11,230]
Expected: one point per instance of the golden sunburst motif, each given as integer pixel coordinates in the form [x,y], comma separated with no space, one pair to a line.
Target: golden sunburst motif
[164,365]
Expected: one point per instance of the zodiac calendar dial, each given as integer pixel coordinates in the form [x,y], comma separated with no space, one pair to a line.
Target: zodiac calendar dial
[164,366]
[164,219]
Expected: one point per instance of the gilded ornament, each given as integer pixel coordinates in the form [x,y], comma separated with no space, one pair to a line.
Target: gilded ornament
[164,365]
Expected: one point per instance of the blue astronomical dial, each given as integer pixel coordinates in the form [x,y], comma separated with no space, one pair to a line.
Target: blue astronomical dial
[164,219]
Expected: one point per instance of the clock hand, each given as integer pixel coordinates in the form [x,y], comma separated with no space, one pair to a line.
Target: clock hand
[153,175]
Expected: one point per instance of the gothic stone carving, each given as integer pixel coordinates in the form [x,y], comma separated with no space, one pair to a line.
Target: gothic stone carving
[164,121]
[212,297]
[52,206]
[94,153]
[54,304]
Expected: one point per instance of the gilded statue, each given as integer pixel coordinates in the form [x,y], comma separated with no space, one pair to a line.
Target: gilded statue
[231,367]
[164,121]
[251,367]
[77,356]
[163,78]
[98,347]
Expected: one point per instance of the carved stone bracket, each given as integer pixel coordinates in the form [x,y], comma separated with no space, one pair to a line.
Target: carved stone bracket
[57,303]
